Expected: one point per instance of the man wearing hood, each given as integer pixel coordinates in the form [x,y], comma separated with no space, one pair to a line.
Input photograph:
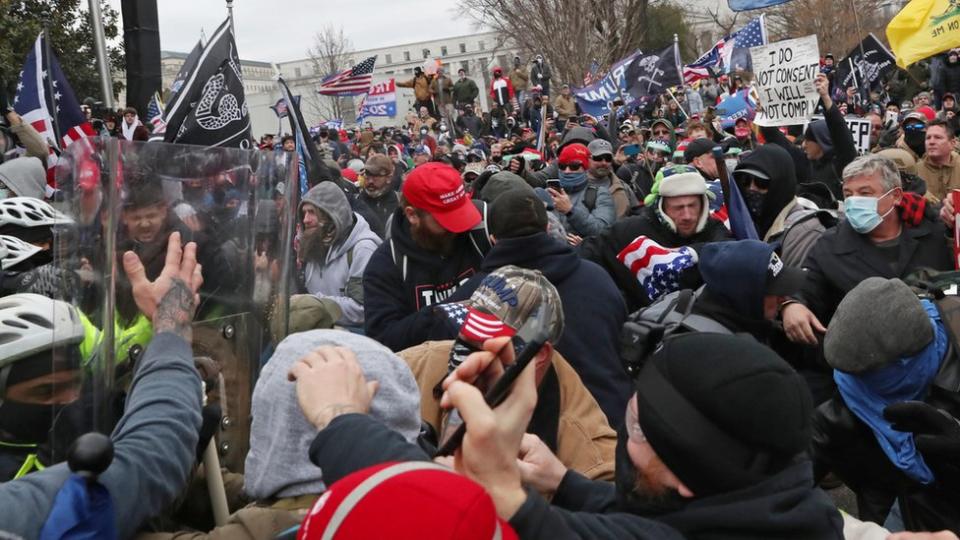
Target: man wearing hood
[713,447]
[278,477]
[436,240]
[132,129]
[592,305]
[680,217]
[828,143]
[767,181]
[744,284]
[335,248]
[540,74]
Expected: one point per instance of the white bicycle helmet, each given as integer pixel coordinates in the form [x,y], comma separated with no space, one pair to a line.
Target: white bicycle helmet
[30,212]
[14,251]
[30,323]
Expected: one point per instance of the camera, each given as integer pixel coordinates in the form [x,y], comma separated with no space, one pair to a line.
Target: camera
[638,340]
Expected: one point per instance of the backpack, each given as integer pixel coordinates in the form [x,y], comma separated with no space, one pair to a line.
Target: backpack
[646,328]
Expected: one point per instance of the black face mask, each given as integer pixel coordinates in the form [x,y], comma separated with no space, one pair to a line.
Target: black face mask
[27,422]
[916,140]
[754,201]
[628,498]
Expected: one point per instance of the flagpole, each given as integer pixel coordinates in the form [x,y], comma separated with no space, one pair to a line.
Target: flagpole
[233,30]
[676,56]
[100,46]
[52,100]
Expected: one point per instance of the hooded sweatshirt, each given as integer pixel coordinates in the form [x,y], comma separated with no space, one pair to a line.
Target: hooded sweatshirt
[25,176]
[340,277]
[277,464]
[735,277]
[403,282]
[593,312]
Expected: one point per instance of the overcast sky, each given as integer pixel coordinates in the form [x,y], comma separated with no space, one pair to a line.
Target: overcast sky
[281,30]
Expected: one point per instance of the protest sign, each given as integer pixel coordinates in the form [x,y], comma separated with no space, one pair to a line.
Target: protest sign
[595,99]
[785,71]
[860,129]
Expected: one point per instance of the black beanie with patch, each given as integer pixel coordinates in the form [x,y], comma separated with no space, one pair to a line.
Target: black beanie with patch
[722,412]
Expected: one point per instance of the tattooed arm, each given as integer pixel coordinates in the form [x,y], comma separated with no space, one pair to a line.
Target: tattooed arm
[170,300]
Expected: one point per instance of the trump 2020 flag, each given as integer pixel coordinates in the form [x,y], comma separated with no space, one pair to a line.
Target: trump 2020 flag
[211,108]
[657,268]
[651,74]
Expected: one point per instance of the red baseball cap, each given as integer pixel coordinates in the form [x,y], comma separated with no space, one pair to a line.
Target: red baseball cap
[576,153]
[409,500]
[438,189]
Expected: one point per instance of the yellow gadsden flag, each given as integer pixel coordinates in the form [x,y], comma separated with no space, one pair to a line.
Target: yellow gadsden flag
[924,28]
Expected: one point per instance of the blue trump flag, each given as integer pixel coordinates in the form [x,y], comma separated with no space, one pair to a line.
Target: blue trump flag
[734,108]
[81,510]
[747,5]
[595,99]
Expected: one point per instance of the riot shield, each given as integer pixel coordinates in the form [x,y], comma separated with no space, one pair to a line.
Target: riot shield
[128,196]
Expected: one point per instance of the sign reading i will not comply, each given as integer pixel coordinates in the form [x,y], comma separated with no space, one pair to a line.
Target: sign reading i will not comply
[784,72]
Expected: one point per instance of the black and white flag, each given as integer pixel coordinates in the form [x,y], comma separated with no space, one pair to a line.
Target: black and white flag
[651,74]
[865,68]
[211,109]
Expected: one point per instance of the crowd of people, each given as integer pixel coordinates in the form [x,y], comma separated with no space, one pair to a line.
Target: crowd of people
[710,331]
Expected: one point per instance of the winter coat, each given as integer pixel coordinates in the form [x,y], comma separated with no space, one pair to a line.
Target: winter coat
[566,106]
[465,92]
[501,91]
[940,179]
[951,78]
[584,221]
[603,250]
[253,522]
[382,207]
[593,310]
[442,90]
[403,281]
[838,151]
[842,258]
[520,78]
[420,85]
[354,441]
[566,418]
[470,123]
[540,75]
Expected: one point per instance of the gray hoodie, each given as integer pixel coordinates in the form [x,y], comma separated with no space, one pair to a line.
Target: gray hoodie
[278,464]
[25,176]
[340,277]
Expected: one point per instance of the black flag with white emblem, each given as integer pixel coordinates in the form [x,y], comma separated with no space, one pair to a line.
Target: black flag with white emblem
[651,74]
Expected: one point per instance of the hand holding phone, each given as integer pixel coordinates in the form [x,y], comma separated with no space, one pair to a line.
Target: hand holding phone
[554,183]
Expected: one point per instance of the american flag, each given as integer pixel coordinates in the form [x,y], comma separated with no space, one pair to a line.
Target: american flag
[657,268]
[735,48]
[351,82]
[700,69]
[33,103]
[155,114]
[476,325]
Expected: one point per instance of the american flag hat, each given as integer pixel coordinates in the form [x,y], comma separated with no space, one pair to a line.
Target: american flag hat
[503,302]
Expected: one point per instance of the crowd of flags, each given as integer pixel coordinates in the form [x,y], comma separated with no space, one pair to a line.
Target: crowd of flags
[727,54]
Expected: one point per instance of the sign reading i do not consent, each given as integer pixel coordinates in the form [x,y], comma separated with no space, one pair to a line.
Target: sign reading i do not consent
[784,74]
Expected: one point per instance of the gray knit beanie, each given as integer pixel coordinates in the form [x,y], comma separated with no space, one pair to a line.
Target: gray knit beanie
[878,321]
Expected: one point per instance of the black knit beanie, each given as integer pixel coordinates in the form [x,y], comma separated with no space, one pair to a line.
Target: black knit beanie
[722,412]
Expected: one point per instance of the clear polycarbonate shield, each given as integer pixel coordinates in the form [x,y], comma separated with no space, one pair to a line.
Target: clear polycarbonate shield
[124,197]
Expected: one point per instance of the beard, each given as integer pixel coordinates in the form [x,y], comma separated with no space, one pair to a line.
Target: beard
[314,246]
[442,243]
[638,490]
[602,172]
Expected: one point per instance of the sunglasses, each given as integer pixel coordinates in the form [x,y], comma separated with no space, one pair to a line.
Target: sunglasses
[745,180]
[914,127]
[605,157]
[574,166]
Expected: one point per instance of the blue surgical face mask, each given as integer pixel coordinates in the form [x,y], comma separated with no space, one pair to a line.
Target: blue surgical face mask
[861,212]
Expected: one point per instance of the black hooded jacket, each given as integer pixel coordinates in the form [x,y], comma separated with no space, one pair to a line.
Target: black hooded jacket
[592,308]
[603,250]
[402,283]
[839,150]
[775,162]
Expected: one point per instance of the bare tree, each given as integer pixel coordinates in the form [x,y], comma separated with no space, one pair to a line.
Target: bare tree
[570,33]
[330,54]
[835,25]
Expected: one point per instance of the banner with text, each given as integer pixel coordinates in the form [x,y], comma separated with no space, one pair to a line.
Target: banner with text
[784,73]
[859,128]
[381,100]
[595,99]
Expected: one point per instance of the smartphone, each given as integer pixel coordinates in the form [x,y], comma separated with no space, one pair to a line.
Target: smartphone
[618,102]
[631,150]
[555,184]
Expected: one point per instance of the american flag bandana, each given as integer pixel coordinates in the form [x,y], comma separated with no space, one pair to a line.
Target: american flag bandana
[657,268]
